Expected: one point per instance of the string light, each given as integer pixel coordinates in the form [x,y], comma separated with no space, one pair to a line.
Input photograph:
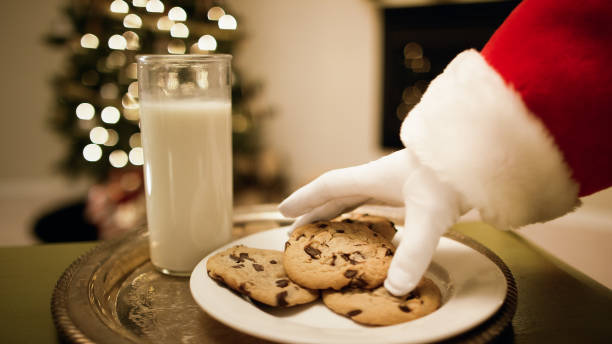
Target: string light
[176,46]
[131,71]
[177,14]
[129,102]
[155,6]
[115,59]
[113,138]
[85,111]
[119,6]
[164,23]
[132,21]
[89,41]
[135,140]
[109,91]
[207,42]
[139,3]
[92,152]
[179,30]
[421,65]
[136,156]
[131,114]
[98,135]
[413,50]
[240,123]
[118,158]
[133,89]
[214,13]
[117,42]
[110,115]
[227,22]
[132,40]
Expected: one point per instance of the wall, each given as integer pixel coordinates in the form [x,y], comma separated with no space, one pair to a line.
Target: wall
[29,183]
[319,62]
[27,146]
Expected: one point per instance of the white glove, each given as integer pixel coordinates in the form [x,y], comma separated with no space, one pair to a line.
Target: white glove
[431,207]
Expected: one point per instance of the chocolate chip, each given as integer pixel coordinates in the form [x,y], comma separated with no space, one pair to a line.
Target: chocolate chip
[287,244]
[238,266]
[353,313]
[371,226]
[405,308]
[350,273]
[241,258]
[339,230]
[281,298]
[412,295]
[375,235]
[322,225]
[281,283]
[258,267]
[333,262]
[359,283]
[389,252]
[349,257]
[348,221]
[273,261]
[313,252]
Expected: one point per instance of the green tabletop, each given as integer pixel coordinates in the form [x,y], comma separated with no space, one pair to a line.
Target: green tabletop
[28,275]
[556,303]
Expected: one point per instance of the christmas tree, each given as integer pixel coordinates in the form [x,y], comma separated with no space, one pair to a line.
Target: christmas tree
[97,108]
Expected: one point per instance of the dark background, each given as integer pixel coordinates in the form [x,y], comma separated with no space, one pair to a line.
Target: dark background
[442,31]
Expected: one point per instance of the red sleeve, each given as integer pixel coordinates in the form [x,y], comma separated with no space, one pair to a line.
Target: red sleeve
[557,55]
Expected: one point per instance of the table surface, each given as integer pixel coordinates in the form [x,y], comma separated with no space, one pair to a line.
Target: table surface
[556,303]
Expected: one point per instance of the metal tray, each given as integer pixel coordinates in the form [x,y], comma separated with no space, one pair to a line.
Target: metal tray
[112,294]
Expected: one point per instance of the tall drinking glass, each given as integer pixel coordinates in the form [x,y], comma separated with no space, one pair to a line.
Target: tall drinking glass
[185,119]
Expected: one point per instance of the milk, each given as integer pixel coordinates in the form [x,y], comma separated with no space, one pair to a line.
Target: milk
[188,179]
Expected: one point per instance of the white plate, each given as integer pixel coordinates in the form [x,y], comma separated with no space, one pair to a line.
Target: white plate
[473,289]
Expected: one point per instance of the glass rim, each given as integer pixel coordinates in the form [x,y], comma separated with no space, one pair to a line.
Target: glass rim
[155,58]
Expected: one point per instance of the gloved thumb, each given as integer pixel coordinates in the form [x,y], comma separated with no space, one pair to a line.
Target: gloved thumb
[431,207]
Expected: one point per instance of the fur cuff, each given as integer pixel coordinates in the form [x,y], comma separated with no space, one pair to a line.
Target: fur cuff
[476,133]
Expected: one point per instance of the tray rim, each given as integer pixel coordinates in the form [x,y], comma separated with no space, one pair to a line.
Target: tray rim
[70,331]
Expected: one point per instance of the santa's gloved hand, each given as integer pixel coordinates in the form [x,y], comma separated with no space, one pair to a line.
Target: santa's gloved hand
[397,179]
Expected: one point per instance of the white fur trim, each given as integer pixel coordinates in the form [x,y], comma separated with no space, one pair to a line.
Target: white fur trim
[476,133]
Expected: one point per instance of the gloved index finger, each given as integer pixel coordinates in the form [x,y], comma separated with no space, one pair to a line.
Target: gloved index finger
[331,185]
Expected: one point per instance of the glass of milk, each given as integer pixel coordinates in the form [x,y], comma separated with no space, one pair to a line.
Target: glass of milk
[185,122]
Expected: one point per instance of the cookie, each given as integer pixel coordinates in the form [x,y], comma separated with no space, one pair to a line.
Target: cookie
[378,224]
[259,274]
[379,307]
[332,254]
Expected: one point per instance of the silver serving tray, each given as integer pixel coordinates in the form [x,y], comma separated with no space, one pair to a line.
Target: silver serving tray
[112,294]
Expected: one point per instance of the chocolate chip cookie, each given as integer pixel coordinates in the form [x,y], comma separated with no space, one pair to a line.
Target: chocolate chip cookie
[332,254]
[379,307]
[259,274]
